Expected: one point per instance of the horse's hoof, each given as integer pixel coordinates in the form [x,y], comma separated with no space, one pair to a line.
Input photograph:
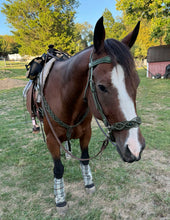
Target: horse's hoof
[36,129]
[90,189]
[62,208]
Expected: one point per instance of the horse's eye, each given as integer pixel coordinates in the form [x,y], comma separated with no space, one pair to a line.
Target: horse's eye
[102,88]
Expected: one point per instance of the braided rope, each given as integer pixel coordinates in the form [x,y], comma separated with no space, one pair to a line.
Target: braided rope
[119,126]
[125,125]
[61,123]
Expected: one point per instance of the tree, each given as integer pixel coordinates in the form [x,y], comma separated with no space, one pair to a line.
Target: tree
[154,12]
[108,23]
[114,29]
[84,35]
[143,42]
[8,45]
[38,23]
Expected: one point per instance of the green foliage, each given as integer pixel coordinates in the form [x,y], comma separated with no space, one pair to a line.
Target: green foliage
[8,45]
[160,29]
[119,28]
[108,23]
[38,23]
[154,12]
[114,29]
[84,35]
[143,42]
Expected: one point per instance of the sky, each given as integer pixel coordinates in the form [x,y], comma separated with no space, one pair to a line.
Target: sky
[88,10]
[92,10]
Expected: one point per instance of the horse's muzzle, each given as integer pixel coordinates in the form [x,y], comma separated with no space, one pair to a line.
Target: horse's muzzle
[127,156]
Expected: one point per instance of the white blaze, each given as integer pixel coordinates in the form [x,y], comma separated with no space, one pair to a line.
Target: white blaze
[127,108]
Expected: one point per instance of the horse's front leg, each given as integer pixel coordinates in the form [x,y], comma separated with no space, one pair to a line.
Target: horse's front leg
[59,183]
[58,170]
[84,165]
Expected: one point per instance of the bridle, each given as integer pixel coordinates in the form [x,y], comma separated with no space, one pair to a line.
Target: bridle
[118,126]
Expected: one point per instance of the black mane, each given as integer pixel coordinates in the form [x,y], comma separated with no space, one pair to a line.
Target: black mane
[120,54]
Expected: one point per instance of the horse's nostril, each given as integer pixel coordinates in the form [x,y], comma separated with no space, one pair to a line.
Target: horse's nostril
[127,151]
[129,154]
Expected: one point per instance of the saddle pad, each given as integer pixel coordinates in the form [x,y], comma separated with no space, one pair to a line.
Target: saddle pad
[40,80]
[43,76]
[45,72]
[27,88]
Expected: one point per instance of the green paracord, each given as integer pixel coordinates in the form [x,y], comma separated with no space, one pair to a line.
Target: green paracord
[61,123]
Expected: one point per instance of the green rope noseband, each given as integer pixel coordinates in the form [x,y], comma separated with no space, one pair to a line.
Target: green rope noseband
[125,125]
[119,126]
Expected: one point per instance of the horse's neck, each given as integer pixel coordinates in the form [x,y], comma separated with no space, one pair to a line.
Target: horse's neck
[79,64]
[76,80]
[76,74]
[66,85]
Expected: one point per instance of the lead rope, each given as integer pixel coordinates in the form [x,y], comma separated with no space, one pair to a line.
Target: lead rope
[69,128]
[104,145]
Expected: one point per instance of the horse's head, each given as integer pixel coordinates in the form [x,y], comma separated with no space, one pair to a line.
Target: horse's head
[114,83]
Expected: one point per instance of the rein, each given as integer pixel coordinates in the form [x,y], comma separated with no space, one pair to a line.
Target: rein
[104,145]
[46,108]
[118,126]
[56,119]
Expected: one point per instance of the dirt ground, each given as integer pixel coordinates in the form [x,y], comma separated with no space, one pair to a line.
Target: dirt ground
[9,83]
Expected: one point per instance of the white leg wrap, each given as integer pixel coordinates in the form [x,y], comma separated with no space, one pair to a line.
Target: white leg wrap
[59,190]
[33,121]
[86,172]
[67,148]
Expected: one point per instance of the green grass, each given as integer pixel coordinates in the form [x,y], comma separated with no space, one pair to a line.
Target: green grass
[124,191]
[11,64]
[13,73]
[154,107]
[11,69]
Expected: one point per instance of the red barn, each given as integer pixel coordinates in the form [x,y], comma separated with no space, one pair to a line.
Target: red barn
[157,60]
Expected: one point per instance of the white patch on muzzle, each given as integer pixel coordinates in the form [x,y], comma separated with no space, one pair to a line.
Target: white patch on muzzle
[127,108]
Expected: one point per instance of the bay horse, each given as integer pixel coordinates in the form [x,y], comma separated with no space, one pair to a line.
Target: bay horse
[101,81]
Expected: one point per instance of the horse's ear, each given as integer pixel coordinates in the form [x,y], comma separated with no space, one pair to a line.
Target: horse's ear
[99,35]
[130,39]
